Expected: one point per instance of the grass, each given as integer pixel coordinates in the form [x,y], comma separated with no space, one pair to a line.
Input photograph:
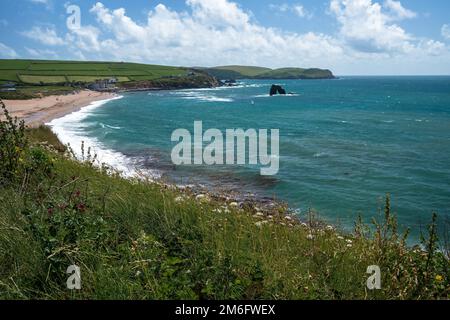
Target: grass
[51,72]
[136,239]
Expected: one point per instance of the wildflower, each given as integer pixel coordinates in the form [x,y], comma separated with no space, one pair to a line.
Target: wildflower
[439,278]
[81,207]
[310,237]
[330,228]
[259,224]
[340,237]
[179,199]
[202,198]
[349,241]
[349,245]
[234,204]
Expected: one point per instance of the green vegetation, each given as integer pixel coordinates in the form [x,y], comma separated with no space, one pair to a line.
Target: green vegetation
[48,77]
[135,239]
[56,72]
[245,72]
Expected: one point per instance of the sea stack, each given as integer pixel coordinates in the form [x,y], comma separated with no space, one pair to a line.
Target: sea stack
[276,89]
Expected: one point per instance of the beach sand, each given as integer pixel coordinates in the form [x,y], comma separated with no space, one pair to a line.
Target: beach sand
[39,111]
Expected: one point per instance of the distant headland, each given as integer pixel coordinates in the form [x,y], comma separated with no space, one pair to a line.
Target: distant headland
[250,72]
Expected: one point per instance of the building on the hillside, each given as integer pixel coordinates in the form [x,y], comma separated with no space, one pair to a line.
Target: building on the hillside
[103,85]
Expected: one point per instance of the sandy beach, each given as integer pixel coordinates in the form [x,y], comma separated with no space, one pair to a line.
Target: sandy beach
[39,111]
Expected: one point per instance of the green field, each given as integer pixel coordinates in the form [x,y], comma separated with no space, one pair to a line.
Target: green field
[248,72]
[42,72]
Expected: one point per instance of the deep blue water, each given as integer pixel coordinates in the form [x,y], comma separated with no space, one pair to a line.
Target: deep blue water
[344,143]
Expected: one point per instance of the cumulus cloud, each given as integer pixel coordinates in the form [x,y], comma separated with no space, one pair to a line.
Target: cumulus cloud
[7,52]
[213,32]
[445,31]
[365,27]
[46,36]
[398,12]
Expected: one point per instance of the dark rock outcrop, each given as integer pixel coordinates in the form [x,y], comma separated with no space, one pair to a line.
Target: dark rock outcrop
[276,89]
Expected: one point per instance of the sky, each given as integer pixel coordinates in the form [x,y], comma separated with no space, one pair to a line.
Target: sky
[350,37]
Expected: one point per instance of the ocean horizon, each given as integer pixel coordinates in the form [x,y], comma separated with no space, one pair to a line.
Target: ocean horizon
[344,143]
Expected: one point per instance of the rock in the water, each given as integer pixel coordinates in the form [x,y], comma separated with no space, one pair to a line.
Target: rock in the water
[276,89]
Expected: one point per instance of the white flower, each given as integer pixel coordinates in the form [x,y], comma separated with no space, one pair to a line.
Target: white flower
[289,218]
[349,245]
[340,237]
[179,199]
[304,224]
[234,204]
[202,198]
[260,214]
[330,228]
[349,241]
[259,224]
[310,237]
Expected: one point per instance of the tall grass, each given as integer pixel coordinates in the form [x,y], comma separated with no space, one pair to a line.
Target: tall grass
[134,239]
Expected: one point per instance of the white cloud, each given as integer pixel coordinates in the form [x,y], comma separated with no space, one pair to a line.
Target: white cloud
[445,31]
[46,36]
[42,54]
[7,52]
[214,32]
[365,27]
[398,11]
[297,9]
[46,3]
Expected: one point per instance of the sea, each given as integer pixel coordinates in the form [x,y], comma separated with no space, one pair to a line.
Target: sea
[344,144]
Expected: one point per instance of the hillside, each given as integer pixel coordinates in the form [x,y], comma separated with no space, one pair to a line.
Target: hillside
[248,72]
[46,76]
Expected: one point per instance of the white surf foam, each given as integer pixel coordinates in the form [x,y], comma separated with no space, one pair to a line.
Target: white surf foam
[69,130]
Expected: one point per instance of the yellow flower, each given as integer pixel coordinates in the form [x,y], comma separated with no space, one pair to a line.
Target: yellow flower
[439,278]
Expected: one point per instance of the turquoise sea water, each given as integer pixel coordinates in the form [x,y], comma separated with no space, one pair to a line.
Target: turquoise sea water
[344,143]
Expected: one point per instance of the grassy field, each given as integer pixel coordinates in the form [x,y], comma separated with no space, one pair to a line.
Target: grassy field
[248,72]
[35,78]
[135,239]
[54,72]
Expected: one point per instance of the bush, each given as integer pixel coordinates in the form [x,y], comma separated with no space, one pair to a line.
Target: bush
[13,144]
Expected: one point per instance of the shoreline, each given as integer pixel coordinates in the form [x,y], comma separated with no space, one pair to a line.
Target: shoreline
[61,112]
[39,111]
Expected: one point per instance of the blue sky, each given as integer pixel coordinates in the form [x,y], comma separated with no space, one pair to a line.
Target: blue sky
[347,36]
